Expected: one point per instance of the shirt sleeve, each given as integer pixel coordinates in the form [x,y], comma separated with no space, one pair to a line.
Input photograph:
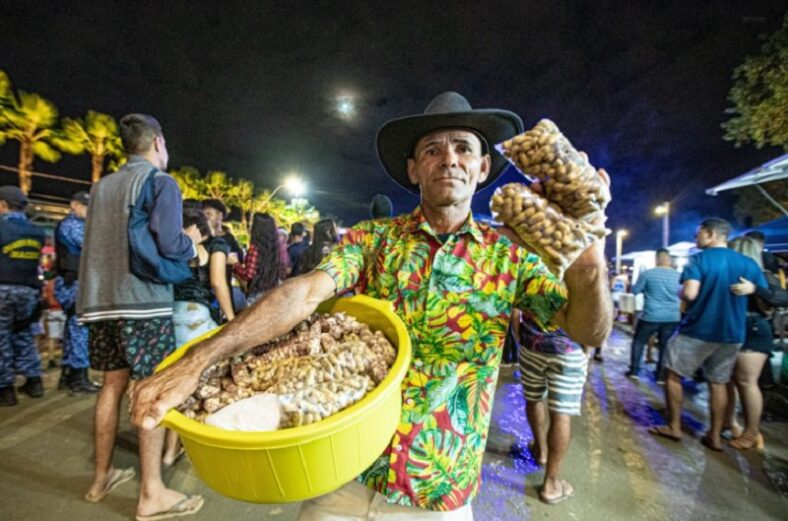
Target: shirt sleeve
[246,270]
[774,295]
[539,293]
[640,285]
[345,262]
[166,220]
[691,270]
[72,234]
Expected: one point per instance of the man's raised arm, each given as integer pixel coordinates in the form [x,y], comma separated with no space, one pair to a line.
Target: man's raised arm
[272,316]
[588,315]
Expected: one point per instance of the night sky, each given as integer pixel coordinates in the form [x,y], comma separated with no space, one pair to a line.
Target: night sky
[251,87]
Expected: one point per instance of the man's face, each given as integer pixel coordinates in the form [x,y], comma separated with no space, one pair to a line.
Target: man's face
[214,218]
[448,165]
[703,238]
[79,209]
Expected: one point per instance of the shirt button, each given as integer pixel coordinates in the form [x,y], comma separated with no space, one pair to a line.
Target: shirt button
[409,401]
[398,448]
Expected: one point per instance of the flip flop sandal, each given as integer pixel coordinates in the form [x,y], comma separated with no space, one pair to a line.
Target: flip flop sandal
[118,478]
[555,500]
[185,507]
[657,432]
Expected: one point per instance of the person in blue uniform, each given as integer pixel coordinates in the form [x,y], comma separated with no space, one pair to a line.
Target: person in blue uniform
[20,301]
[69,235]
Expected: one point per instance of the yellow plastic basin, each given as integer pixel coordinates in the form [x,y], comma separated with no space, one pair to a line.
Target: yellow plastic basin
[302,462]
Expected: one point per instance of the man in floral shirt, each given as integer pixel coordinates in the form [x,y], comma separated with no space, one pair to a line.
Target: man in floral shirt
[453,282]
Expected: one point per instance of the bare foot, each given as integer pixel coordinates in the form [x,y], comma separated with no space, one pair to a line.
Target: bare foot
[665,432]
[555,491]
[170,459]
[103,485]
[167,500]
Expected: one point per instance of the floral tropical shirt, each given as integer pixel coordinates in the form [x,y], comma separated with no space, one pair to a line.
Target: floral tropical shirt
[455,297]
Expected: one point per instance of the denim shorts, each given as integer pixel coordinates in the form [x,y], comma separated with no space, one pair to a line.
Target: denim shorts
[685,355]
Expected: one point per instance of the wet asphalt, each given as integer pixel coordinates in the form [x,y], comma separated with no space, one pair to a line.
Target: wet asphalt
[618,470]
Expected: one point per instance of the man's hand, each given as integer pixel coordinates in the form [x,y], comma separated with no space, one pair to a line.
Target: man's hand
[194,234]
[153,397]
[743,287]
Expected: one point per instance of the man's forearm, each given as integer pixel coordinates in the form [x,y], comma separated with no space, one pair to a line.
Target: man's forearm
[272,316]
[588,315]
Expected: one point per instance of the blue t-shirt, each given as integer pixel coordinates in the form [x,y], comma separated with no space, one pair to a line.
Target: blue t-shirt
[660,288]
[717,315]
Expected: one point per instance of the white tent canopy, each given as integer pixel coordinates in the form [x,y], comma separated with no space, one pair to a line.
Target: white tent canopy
[774,170]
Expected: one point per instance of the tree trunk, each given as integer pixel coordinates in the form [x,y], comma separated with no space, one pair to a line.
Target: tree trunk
[96,167]
[25,166]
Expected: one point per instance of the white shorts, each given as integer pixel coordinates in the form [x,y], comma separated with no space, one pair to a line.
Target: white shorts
[356,502]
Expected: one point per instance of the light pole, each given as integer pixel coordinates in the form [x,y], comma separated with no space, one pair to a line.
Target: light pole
[292,183]
[664,211]
[620,234]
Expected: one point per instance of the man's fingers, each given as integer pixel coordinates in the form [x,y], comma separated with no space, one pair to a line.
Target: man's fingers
[605,176]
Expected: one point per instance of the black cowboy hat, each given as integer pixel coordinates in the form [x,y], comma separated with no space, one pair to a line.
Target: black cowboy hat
[397,137]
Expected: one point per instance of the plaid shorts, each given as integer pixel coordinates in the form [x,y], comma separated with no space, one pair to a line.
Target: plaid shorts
[559,376]
[139,345]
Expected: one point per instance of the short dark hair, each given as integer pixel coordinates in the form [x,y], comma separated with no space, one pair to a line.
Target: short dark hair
[192,203]
[717,226]
[297,229]
[663,251]
[755,234]
[216,204]
[193,215]
[137,132]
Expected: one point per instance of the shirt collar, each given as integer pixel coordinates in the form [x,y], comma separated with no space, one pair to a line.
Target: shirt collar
[19,216]
[469,227]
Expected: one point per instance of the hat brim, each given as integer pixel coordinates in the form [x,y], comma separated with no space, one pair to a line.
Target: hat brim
[397,136]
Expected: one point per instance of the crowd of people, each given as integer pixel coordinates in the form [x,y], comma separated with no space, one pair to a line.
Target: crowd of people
[432,263]
[712,323]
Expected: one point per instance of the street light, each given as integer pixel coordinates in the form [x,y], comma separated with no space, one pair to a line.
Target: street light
[664,211]
[292,183]
[620,234]
[295,186]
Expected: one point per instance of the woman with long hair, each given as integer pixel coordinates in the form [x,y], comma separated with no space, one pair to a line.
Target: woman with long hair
[193,298]
[757,346]
[325,236]
[263,268]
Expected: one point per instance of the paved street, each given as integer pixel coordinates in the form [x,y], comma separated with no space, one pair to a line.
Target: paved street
[619,471]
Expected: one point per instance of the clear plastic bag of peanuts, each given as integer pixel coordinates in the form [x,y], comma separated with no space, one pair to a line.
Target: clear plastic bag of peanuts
[569,180]
[542,226]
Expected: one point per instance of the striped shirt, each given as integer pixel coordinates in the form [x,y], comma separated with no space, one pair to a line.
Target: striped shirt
[660,288]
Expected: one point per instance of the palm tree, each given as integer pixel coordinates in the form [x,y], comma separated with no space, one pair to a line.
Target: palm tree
[241,196]
[97,135]
[29,119]
[189,181]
